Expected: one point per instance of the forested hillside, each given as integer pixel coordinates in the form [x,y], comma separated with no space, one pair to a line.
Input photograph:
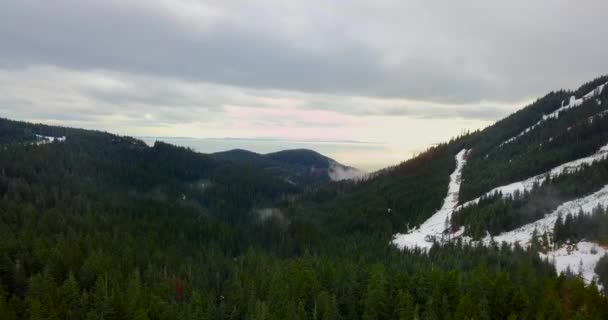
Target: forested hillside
[536,179]
[302,167]
[100,226]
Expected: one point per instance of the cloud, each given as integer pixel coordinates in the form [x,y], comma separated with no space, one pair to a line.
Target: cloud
[408,74]
[64,94]
[441,52]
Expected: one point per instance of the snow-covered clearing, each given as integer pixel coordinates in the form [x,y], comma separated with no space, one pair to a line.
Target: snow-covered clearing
[46,139]
[580,258]
[573,103]
[435,226]
[528,184]
[523,234]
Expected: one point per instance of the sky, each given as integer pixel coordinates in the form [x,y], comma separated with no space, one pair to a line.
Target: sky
[390,77]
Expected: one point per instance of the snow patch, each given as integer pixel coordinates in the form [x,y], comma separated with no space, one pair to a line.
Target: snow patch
[528,184]
[580,259]
[573,103]
[47,139]
[265,214]
[523,234]
[433,228]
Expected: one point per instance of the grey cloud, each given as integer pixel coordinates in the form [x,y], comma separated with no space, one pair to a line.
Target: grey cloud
[449,52]
[481,112]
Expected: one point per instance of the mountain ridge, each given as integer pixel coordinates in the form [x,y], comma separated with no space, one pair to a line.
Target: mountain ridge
[529,208]
[304,165]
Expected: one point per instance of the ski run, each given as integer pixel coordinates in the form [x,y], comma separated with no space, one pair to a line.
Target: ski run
[573,103]
[424,236]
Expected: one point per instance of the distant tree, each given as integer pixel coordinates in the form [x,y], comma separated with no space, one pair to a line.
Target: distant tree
[601,269]
[376,295]
[406,308]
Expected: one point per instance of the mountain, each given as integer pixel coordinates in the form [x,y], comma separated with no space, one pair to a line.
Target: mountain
[298,166]
[536,179]
[522,181]
[508,222]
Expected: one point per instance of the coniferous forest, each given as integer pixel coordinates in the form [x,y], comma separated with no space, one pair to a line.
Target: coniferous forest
[104,227]
[100,226]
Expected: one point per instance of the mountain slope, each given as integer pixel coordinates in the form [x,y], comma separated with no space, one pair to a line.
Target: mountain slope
[561,157]
[299,166]
[123,167]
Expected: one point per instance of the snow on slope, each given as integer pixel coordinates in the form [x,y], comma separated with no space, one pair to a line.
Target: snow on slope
[521,186]
[573,103]
[523,234]
[46,139]
[434,227]
[583,255]
[578,258]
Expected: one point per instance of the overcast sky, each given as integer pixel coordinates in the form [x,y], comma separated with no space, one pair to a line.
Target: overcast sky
[405,74]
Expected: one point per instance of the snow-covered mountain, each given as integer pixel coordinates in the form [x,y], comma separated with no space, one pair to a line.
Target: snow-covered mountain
[520,181]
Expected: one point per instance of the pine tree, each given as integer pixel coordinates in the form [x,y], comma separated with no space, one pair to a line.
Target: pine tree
[69,294]
[406,308]
[261,311]
[601,269]
[558,230]
[376,295]
[534,242]
[6,312]
[466,309]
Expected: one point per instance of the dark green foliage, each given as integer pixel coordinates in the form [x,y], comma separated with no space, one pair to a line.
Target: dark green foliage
[601,269]
[299,166]
[123,266]
[303,157]
[591,227]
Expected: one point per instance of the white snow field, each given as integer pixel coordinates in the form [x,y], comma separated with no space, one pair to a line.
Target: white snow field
[573,103]
[523,234]
[526,185]
[434,227]
[580,259]
[583,255]
[46,139]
